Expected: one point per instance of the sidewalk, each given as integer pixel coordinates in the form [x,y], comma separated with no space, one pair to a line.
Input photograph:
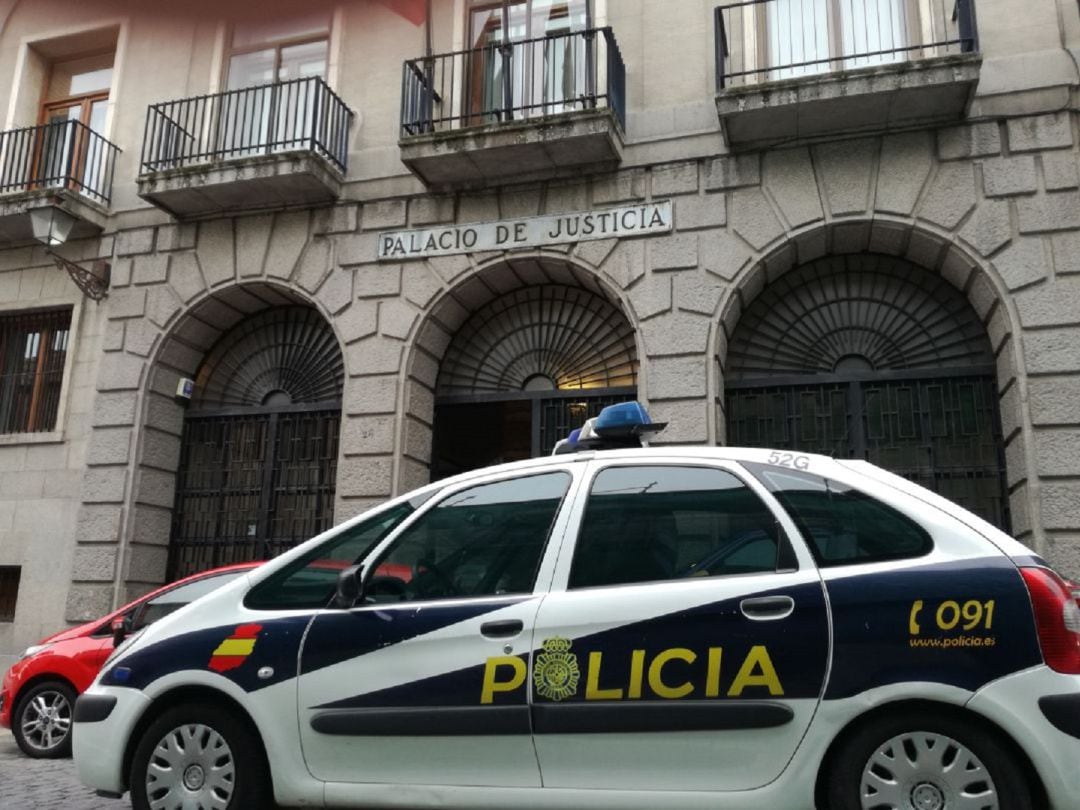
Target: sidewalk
[43,784]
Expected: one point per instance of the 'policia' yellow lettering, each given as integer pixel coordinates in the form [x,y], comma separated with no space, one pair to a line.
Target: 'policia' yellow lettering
[670,674]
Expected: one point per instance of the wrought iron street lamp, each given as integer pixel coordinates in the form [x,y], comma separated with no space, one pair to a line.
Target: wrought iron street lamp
[52,226]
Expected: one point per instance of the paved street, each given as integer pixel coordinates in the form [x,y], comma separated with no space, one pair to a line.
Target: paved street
[43,784]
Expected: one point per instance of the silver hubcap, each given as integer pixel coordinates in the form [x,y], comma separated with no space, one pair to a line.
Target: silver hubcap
[925,771]
[47,720]
[191,768]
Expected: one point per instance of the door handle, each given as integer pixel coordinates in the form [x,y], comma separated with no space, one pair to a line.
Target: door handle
[767,608]
[502,629]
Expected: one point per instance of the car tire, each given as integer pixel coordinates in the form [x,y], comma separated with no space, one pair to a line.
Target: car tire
[199,750]
[909,760]
[41,721]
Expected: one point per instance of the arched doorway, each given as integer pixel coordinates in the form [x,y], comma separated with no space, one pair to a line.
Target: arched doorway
[259,450]
[872,357]
[525,369]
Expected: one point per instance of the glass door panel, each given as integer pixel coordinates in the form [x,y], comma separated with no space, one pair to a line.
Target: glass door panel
[296,115]
[56,161]
[487,80]
[797,37]
[871,27]
[558,65]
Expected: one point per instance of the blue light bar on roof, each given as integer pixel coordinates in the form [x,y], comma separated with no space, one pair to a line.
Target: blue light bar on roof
[626,424]
[618,419]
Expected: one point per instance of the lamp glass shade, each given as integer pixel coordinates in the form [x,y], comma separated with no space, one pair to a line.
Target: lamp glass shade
[51,225]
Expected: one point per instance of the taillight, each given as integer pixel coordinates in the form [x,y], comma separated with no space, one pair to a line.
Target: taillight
[1057,619]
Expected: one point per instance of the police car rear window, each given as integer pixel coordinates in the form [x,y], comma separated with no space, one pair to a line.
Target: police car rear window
[843,526]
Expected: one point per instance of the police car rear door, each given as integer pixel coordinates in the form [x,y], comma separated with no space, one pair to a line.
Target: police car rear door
[424,682]
[685,641]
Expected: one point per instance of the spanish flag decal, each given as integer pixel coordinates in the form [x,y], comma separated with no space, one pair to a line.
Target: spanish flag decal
[234,650]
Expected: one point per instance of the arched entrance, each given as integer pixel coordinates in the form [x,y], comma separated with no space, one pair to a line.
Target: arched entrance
[524,369]
[865,356]
[260,442]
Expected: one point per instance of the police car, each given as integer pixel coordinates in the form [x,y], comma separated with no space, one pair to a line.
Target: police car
[630,628]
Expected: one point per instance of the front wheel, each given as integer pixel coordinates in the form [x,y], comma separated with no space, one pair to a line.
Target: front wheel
[925,761]
[41,721]
[199,755]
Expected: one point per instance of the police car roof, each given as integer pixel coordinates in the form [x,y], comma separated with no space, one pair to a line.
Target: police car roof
[713,452]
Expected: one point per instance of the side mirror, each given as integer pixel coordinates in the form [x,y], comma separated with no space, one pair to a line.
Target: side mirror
[349,587]
[121,626]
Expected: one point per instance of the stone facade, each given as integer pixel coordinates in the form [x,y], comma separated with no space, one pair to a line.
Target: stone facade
[991,204]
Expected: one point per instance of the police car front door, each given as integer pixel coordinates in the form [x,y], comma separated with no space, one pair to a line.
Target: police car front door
[685,641]
[410,686]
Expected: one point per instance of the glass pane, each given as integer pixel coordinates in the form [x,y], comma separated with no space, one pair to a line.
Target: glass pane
[98,109]
[248,69]
[178,597]
[483,541]
[556,17]
[644,524]
[871,26]
[798,32]
[842,525]
[304,61]
[78,77]
[311,580]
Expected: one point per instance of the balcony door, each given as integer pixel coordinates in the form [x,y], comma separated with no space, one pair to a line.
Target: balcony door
[76,100]
[268,106]
[804,37]
[545,70]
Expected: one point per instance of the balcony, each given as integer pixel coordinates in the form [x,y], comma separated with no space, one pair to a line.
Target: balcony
[801,69]
[272,146]
[536,108]
[64,164]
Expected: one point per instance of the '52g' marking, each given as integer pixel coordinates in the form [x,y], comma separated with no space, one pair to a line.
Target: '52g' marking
[792,460]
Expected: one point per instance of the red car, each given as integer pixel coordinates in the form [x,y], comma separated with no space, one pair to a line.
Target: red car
[39,691]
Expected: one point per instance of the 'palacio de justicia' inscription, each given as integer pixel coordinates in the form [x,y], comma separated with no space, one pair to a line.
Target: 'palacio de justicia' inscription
[511,234]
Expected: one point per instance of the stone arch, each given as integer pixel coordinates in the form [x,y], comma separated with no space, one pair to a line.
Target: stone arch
[936,251]
[182,353]
[489,292]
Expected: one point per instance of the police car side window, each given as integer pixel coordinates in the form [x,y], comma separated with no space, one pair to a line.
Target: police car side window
[843,526]
[644,524]
[309,582]
[483,541]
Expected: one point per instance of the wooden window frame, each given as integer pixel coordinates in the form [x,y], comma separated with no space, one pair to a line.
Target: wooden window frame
[85,101]
[277,46]
[47,332]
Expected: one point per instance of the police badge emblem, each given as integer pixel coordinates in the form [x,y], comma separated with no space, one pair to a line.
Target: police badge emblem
[556,674]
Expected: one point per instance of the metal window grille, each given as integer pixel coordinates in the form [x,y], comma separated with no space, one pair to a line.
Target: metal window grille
[513,81]
[297,115]
[769,40]
[33,350]
[62,154]
[9,591]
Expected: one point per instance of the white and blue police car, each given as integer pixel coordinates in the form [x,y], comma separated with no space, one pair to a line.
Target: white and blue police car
[647,628]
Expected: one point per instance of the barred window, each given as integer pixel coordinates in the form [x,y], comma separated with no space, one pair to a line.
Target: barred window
[33,348]
[9,591]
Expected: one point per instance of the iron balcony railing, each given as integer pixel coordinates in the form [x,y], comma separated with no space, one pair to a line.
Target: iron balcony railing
[61,154]
[302,114]
[767,40]
[514,81]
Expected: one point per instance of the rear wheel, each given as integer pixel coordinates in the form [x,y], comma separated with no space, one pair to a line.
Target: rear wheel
[199,755]
[41,721]
[925,761]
